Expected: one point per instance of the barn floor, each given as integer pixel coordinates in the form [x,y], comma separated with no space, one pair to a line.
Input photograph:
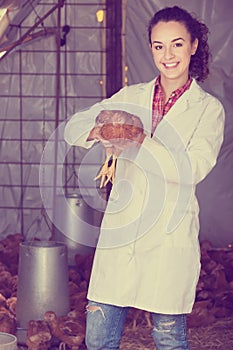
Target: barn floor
[218,336]
[213,308]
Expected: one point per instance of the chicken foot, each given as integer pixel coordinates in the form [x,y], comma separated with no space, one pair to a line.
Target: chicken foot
[107,173]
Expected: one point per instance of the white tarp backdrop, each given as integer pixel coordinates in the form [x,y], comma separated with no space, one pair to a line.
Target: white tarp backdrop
[28,101]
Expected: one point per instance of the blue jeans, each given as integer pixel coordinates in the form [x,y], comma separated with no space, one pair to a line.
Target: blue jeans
[105,324]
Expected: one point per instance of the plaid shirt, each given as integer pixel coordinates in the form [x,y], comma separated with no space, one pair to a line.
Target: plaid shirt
[159,108]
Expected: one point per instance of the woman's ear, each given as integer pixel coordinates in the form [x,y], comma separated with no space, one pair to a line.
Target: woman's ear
[194,46]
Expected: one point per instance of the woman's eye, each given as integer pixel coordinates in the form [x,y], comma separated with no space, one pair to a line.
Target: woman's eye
[178,45]
[158,47]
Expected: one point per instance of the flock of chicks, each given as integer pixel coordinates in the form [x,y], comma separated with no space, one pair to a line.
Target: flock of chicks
[8,282]
[67,332]
[214,298]
[63,332]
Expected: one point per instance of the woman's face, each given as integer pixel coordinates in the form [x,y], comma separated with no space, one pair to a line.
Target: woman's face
[172,49]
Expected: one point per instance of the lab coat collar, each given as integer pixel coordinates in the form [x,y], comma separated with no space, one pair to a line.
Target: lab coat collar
[194,93]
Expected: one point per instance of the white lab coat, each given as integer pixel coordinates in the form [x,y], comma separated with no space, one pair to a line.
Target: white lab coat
[148,252]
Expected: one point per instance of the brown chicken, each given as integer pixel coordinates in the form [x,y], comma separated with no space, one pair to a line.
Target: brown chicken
[7,322]
[11,305]
[2,300]
[38,335]
[78,303]
[139,317]
[7,317]
[9,252]
[70,331]
[116,130]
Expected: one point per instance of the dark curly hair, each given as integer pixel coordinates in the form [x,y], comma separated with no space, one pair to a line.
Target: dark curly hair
[199,64]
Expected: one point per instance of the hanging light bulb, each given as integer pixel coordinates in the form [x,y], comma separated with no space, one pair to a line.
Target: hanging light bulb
[100,16]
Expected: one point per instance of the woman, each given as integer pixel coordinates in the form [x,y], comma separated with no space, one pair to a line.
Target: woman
[148,251]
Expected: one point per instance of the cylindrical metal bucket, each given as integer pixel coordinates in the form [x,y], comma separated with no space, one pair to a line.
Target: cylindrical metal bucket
[42,281]
[8,341]
[77,224]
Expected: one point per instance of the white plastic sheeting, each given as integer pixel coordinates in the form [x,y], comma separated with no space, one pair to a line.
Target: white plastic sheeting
[28,82]
[28,103]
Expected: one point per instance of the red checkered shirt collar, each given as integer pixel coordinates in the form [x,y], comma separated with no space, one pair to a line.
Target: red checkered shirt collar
[159,107]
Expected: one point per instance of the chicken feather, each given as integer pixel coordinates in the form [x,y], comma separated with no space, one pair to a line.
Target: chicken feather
[116,130]
[68,330]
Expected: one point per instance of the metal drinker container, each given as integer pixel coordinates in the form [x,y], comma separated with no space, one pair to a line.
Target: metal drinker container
[8,341]
[77,224]
[43,281]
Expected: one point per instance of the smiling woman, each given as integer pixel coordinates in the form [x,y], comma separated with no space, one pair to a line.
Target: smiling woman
[155,267]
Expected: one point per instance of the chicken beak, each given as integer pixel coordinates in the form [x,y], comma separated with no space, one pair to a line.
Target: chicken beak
[91,135]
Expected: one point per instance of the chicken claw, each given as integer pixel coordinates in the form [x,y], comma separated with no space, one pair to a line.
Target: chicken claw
[107,173]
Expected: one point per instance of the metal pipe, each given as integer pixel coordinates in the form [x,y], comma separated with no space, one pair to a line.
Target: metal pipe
[57,109]
[25,35]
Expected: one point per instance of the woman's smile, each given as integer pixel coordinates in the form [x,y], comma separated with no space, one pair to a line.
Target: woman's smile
[171,65]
